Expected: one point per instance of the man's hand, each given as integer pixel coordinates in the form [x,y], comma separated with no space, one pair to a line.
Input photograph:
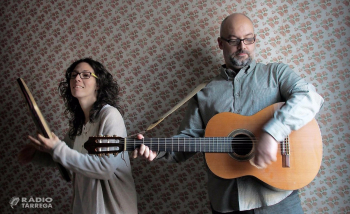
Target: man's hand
[265,151]
[144,151]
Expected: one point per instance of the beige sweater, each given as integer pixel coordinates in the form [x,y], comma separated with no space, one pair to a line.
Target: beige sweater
[101,184]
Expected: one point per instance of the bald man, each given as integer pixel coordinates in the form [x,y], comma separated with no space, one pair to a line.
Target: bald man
[246,87]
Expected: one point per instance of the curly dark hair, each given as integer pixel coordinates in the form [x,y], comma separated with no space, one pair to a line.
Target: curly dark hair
[108,93]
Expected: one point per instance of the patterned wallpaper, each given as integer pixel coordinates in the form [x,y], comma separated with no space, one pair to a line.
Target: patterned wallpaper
[159,51]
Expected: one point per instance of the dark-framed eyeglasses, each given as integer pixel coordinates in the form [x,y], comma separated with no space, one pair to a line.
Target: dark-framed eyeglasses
[83,75]
[235,42]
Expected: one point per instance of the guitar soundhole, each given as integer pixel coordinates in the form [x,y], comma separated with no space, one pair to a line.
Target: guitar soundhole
[242,145]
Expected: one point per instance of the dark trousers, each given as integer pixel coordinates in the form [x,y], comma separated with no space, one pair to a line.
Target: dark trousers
[290,205]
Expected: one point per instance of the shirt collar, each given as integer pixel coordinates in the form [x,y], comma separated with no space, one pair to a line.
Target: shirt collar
[230,74]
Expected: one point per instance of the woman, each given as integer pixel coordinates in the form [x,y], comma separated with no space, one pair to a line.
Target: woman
[101,184]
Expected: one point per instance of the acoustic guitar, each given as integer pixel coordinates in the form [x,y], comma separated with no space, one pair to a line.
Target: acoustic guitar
[229,145]
[39,121]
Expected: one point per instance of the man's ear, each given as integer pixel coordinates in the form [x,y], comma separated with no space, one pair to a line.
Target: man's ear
[220,43]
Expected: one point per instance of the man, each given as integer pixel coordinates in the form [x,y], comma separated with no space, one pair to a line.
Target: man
[246,87]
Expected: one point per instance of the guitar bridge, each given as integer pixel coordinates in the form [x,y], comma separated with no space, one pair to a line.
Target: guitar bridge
[285,152]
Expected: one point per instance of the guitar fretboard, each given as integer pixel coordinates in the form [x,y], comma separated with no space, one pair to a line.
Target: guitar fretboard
[209,144]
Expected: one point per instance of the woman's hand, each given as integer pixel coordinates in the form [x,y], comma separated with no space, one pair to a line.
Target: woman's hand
[44,144]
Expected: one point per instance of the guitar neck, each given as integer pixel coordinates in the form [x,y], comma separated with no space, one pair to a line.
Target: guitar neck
[209,144]
[106,145]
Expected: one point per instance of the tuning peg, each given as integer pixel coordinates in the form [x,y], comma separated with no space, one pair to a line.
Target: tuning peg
[115,135]
[107,136]
[115,154]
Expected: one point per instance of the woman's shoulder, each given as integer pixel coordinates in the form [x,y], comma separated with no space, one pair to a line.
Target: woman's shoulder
[108,111]
[111,122]
[108,108]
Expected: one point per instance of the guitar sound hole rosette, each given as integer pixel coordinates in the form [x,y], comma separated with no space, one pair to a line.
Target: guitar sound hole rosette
[242,144]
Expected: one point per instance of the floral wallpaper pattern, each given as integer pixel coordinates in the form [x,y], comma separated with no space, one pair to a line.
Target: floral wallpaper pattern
[159,50]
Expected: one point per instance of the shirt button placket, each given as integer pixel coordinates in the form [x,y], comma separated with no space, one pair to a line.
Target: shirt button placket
[237,95]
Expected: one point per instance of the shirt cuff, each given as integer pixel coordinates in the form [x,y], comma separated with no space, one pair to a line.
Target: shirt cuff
[277,130]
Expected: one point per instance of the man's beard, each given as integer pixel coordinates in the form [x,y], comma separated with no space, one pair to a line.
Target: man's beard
[237,62]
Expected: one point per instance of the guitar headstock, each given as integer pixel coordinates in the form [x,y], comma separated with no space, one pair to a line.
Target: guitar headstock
[104,145]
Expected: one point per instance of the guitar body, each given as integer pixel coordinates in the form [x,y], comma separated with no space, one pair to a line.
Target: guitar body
[304,159]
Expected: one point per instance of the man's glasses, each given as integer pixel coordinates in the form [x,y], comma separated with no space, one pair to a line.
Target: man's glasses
[235,42]
[83,75]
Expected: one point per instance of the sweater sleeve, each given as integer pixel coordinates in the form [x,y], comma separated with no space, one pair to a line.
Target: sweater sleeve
[110,123]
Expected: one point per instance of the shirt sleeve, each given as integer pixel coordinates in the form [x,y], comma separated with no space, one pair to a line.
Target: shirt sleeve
[111,123]
[301,105]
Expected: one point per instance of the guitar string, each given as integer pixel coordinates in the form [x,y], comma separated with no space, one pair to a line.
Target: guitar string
[205,142]
[165,141]
[161,141]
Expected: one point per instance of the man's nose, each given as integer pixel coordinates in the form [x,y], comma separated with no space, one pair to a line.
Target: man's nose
[241,45]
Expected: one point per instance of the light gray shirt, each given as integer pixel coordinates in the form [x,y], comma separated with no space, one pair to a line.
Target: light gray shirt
[254,87]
